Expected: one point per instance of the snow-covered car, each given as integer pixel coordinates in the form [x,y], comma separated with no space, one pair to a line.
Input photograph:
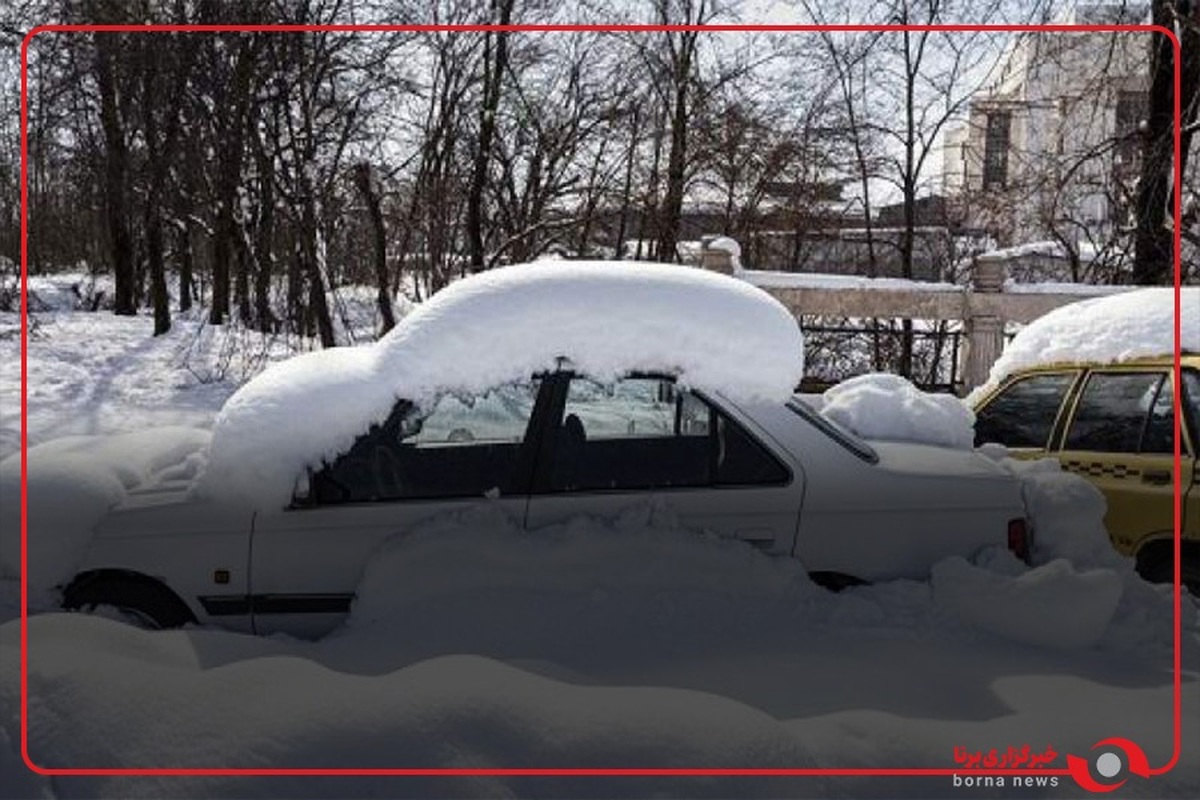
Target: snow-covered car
[1093,385]
[551,391]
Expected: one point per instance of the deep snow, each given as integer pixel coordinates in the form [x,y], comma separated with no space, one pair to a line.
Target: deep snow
[695,651]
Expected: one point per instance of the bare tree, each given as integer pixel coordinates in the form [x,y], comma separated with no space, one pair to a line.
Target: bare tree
[370,196]
[1153,243]
[494,65]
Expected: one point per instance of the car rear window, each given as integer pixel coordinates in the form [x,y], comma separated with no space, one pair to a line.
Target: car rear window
[834,431]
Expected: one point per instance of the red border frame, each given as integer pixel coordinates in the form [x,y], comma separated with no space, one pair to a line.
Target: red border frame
[562,772]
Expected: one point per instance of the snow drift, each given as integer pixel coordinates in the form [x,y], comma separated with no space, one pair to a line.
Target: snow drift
[1050,606]
[711,331]
[888,407]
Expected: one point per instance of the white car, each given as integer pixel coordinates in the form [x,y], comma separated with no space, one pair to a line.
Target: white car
[546,445]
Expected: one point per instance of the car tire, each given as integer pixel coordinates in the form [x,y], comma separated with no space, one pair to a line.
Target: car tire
[139,600]
[1158,566]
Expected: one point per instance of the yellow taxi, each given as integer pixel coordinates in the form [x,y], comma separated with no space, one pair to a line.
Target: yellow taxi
[1114,425]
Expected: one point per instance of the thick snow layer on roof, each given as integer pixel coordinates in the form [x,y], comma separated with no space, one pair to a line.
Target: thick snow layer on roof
[608,318]
[1106,329]
[888,407]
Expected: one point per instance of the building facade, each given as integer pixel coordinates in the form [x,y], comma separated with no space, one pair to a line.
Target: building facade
[1050,148]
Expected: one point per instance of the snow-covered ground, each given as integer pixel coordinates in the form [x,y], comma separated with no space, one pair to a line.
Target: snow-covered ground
[627,642]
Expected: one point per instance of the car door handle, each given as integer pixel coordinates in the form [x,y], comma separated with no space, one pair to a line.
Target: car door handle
[762,538]
[1158,477]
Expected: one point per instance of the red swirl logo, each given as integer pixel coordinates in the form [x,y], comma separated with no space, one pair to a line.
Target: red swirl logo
[1110,767]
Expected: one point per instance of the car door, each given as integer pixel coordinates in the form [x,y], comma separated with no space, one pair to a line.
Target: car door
[1120,436]
[1026,412]
[614,445]
[306,560]
[1191,422]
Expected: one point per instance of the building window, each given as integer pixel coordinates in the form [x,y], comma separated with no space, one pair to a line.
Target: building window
[995,149]
[1131,108]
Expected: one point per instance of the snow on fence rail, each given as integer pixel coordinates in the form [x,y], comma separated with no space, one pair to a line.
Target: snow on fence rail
[985,305]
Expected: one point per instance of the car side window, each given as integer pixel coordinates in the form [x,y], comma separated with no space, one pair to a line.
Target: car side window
[1113,411]
[1160,427]
[1024,412]
[1191,394]
[646,433]
[454,447]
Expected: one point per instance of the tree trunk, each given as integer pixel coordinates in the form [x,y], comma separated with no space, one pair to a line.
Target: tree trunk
[905,366]
[1152,238]
[672,207]
[383,297]
[627,184]
[264,262]
[158,277]
[230,146]
[318,305]
[184,244]
[116,168]
[222,242]
[241,285]
[493,75]
[296,312]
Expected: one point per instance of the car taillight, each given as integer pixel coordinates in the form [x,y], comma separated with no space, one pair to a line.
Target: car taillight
[1018,538]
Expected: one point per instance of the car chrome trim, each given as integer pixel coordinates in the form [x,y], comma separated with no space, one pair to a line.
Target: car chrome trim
[234,605]
[822,423]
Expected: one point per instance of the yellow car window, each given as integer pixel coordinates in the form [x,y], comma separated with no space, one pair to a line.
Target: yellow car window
[1023,413]
[1160,428]
[1191,392]
[1112,412]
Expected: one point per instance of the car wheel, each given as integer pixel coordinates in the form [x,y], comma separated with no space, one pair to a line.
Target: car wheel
[134,599]
[1189,572]
[1158,566]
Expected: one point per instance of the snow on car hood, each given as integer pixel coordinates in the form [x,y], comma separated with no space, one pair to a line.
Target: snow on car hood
[73,482]
[608,318]
[1106,329]
[889,407]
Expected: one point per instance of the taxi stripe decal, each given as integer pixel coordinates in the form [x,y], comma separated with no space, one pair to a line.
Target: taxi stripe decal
[1100,470]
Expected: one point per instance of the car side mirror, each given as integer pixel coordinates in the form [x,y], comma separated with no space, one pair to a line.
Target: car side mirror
[302,494]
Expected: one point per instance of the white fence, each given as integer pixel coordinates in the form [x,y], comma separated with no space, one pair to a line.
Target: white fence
[984,306]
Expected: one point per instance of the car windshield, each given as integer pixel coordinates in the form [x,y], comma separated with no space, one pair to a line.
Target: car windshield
[839,434]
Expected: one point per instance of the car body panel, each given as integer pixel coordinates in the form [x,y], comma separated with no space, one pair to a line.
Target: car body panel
[895,516]
[307,562]
[1138,486]
[871,512]
[197,548]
